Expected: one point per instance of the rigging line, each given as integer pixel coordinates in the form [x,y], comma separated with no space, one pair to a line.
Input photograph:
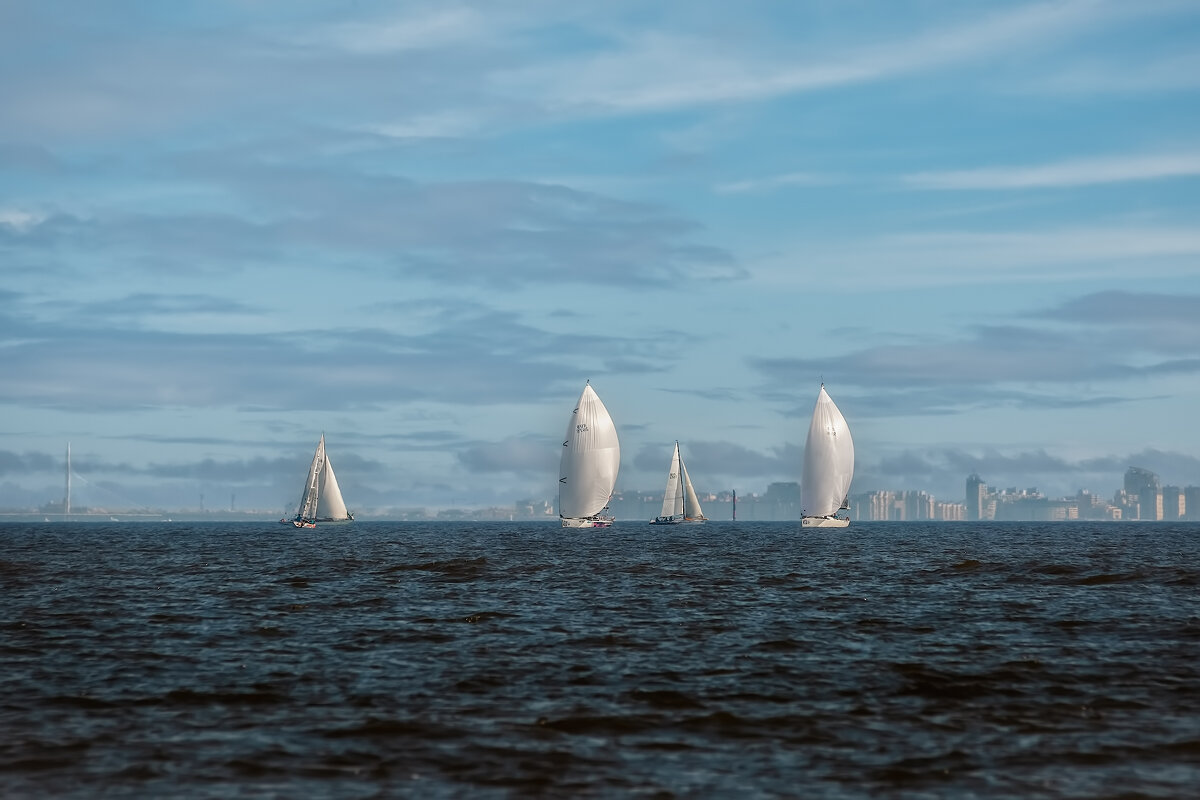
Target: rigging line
[116,496]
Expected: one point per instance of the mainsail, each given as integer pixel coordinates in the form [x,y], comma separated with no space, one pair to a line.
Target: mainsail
[828,460]
[590,460]
[673,495]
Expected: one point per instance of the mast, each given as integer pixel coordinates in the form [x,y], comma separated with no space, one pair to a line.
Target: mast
[67,497]
[682,485]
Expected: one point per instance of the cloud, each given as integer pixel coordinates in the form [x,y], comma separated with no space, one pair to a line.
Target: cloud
[1144,74]
[12,463]
[776,181]
[654,71]
[425,30]
[1094,340]
[492,233]
[1078,172]
[955,258]
[1125,308]
[529,456]
[467,355]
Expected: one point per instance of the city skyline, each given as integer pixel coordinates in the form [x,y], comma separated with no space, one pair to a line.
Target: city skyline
[419,228]
[788,492]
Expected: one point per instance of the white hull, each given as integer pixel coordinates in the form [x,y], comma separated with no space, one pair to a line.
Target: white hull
[586,522]
[824,522]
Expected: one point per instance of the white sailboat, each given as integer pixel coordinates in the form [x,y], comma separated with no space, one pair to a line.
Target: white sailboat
[680,503]
[587,471]
[322,498]
[828,466]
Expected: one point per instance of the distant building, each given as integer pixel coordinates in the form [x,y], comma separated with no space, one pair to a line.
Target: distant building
[891,506]
[1143,494]
[1191,503]
[1174,503]
[977,493]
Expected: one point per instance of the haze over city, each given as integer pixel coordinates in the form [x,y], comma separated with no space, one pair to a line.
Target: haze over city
[419,228]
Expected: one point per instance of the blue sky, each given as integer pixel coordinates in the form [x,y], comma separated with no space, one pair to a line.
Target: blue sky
[227,227]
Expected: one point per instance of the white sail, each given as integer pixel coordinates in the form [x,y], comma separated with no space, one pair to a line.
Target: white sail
[673,495]
[828,460]
[331,505]
[691,503]
[590,459]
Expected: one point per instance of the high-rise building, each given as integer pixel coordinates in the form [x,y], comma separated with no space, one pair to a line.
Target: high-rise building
[1191,503]
[1143,487]
[976,498]
[1174,503]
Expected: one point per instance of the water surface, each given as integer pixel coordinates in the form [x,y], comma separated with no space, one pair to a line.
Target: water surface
[379,659]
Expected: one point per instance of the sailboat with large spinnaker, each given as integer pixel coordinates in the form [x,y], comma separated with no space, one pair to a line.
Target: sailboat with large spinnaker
[587,470]
[321,500]
[828,466]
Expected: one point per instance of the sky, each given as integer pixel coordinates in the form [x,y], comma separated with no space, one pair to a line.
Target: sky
[420,227]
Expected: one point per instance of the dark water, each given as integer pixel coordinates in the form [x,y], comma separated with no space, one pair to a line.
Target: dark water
[496,660]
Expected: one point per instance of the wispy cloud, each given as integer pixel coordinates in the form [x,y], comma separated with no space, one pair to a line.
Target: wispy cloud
[498,233]
[1017,366]
[1021,255]
[656,71]
[1078,172]
[1158,72]
[1126,309]
[427,29]
[776,181]
[463,355]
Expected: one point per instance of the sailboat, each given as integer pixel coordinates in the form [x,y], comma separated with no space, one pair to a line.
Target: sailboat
[828,466]
[322,498]
[587,471]
[680,503]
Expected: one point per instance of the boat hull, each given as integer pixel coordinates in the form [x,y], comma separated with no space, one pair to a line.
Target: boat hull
[677,521]
[824,522]
[586,522]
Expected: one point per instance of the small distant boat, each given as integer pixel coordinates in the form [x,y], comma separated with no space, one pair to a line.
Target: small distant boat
[828,466]
[588,467]
[322,498]
[680,503]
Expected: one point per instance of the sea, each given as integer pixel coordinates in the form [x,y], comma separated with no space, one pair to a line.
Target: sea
[518,659]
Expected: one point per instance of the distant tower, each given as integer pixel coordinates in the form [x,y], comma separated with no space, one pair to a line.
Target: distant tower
[735,505]
[67,497]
